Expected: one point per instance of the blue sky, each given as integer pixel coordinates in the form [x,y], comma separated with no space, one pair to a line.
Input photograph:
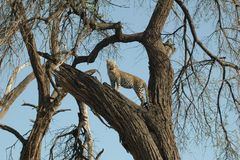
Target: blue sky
[132,59]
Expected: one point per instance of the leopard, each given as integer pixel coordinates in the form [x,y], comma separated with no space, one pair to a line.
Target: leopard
[126,80]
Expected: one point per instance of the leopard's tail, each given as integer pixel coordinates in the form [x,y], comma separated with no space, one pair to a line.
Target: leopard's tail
[146,94]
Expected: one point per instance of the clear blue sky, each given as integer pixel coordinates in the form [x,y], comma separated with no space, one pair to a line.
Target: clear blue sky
[133,59]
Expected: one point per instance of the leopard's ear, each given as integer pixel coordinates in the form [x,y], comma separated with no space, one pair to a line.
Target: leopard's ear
[111,62]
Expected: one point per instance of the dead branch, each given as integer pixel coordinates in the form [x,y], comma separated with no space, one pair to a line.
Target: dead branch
[7,100]
[61,110]
[14,132]
[30,105]
[99,154]
[14,76]
[124,38]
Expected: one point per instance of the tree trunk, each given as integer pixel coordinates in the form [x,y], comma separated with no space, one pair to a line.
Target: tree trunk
[32,149]
[85,124]
[159,119]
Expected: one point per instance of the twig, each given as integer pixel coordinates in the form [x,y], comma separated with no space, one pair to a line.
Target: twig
[61,110]
[99,154]
[30,105]
[14,132]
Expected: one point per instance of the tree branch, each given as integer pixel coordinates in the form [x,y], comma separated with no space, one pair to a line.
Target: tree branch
[14,132]
[125,38]
[13,77]
[120,112]
[61,110]
[9,98]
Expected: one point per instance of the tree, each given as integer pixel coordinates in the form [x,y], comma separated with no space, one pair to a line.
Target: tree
[62,26]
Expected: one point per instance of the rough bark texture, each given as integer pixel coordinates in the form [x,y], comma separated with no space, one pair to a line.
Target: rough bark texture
[159,121]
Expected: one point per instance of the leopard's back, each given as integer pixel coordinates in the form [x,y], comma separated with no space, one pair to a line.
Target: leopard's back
[130,81]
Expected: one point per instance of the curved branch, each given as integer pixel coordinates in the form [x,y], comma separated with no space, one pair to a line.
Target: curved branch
[14,132]
[118,37]
[158,19]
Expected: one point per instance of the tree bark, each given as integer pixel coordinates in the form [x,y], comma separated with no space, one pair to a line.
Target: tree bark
[159,120]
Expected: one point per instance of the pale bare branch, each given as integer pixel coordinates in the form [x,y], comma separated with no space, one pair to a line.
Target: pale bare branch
[14,76]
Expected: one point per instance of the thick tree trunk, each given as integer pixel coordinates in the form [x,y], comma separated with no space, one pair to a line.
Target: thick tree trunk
[159,119]
[32,149]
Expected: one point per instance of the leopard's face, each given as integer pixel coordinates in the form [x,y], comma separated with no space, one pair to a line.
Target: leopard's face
[111,65]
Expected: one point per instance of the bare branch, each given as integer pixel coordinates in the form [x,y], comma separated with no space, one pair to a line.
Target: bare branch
[118,110]
[9,98]
[30,105]
[99,154]
[29,39]
[104,43]
[14,132]
[13,76]
[61,110]
[84,123]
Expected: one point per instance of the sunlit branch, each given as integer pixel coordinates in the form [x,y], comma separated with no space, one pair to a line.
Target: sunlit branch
[7,100]
[14,76]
